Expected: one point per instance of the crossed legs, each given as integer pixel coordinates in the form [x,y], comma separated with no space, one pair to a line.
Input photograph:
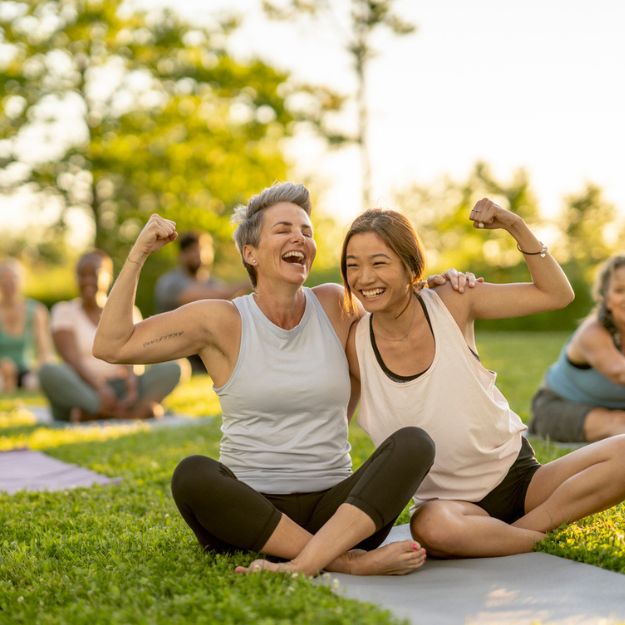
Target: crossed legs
[585,481]
[226,514]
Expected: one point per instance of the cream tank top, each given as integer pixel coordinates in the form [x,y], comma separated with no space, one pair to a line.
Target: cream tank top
[285,405]
[477,436]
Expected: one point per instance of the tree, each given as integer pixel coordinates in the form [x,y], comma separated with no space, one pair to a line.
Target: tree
[587,221]
[120,113]
[440,213]
[366,17]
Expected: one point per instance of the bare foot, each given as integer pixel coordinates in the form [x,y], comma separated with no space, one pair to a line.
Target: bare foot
[147,410]
[265,565]
[398,558]
[77,415]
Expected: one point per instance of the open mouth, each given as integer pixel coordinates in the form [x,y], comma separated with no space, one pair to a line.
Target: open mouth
[294,257]
[368,293]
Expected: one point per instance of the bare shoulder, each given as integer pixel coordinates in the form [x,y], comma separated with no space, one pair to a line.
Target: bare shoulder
[219,313]
[329,292]
[591,334]
[454,300]
[331,297]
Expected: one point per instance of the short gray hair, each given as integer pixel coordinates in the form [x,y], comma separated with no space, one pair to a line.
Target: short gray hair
[250,216]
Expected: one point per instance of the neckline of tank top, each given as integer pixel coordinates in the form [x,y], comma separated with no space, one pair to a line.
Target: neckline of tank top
[395,377]
[276,329]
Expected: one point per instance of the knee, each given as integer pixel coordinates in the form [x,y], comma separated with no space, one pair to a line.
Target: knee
[48,376]
[416,444]
[434,529]
[617,448]
[189,474]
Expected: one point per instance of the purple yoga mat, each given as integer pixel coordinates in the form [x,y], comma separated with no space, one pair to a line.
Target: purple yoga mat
[24,469]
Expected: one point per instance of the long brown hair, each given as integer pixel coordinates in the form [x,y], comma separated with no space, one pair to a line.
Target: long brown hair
[398,234]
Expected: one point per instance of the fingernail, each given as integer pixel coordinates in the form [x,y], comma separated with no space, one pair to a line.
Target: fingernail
[415,546]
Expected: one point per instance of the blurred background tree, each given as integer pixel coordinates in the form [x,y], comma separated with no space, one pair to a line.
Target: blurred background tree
[363,19]
[133,112]
[587,229]
[114,113]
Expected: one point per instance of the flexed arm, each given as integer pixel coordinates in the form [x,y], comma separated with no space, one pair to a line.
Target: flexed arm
[163,337]
[549,289]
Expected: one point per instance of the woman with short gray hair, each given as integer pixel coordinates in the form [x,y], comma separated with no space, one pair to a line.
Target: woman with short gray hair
[283,485]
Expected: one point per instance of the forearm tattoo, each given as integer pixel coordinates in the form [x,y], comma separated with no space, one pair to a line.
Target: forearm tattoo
[160,339]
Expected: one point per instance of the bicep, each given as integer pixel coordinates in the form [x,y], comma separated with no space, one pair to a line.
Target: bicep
[501,301]
[167,336]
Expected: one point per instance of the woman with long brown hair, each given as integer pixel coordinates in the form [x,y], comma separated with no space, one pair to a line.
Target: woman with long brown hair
[414,353]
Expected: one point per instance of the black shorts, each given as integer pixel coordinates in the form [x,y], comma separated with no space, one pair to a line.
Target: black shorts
[506,501]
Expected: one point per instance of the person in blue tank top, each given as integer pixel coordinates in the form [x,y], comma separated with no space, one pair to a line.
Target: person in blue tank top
[582,398]
[283,485]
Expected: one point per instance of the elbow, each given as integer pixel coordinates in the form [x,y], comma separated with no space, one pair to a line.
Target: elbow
[568,296]
[101,352]
[562,299]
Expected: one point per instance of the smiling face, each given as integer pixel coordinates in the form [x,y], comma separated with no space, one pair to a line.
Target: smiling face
[286,248]
[94,276]
[615,296]
[376,274]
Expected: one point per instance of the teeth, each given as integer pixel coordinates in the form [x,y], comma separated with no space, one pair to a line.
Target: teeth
[373,292]
[294,254]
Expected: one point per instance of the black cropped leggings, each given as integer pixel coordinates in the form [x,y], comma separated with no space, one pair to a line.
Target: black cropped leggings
[227,514]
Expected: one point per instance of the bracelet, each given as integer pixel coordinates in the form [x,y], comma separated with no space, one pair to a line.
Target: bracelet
[134,262]
[542,251]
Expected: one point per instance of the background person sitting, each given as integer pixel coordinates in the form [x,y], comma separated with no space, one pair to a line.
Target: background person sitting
[83,387]
[583,394]
[24,339]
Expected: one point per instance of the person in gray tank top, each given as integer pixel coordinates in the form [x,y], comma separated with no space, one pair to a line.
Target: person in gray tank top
[283,485]
[582,397]
[486,495]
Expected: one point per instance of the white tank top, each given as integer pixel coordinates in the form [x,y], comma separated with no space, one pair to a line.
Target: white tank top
[477,436]
[285,404]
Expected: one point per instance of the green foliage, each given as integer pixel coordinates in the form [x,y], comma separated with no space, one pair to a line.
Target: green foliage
[138,112]
[440,213]
[587,222]
[122,554]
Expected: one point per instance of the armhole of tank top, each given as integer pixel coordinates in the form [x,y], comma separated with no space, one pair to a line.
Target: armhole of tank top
[316,302]
[458,331]
[242,344]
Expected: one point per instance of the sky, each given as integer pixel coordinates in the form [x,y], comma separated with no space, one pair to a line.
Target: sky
[530,84]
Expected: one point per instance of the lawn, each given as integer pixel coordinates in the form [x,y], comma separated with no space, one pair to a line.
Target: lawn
[121,554]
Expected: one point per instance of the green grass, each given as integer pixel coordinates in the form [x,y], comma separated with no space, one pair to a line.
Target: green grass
[121,554]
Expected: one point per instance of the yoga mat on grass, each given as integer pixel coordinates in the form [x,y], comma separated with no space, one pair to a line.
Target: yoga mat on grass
[527,589]
[24,469]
